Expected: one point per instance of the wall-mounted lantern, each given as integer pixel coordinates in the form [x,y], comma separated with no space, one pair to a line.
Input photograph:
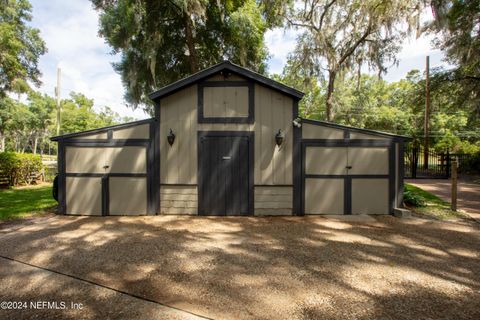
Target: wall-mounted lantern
[279,137]
[171,137]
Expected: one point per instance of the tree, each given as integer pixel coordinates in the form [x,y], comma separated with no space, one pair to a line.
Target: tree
[163,41]
[43,108]
[6,111]
[20,47]
[342,35]
[457,29]
[78,114]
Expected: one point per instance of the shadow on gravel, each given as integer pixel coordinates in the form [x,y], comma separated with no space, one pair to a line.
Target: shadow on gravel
[291,267]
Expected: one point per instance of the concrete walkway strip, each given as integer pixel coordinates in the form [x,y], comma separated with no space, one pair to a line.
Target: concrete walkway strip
[14,272]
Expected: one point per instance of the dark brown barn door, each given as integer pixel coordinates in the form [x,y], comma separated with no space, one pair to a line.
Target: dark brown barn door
[224,175]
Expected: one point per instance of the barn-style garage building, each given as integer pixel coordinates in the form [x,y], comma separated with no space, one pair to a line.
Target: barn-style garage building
[228,141]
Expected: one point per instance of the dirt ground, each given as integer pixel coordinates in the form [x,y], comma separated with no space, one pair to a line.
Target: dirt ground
[468,193]
[243,268]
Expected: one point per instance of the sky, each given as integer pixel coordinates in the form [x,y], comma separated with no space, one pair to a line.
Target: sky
[70,30]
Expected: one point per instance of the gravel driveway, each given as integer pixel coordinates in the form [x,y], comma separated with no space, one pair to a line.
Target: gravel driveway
[232,268]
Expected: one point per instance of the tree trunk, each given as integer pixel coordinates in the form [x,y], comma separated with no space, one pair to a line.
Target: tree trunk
[35,144]
[331,86]
[190,44]
[2,142]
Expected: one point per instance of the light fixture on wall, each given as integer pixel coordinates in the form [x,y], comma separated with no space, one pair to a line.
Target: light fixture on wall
[171,137]
[297,122]
[279,137]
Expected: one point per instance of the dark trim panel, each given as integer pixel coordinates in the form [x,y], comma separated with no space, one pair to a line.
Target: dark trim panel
[401,173]
[251,102]
[92,175]
[101,130]
[354,176]
[297,164]
[107,143]
[251,143]
[62,181]
[233,68]
[156,161]
[105,196]
[391,181]
[346,143]
[273,185]
[347,195]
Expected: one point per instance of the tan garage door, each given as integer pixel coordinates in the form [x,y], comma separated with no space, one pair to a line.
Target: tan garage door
[324,196]
[123,171]
[84,195]
[127,159]
[128,195]
[370,196]
[346,179]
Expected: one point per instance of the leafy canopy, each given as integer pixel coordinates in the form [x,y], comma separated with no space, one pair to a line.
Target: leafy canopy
[20,47]
[163,41]
[342,35]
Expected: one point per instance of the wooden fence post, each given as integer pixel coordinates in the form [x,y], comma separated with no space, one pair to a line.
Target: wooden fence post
[453,204]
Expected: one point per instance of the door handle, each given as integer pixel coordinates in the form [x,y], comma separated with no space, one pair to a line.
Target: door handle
[106,166]
[226,158]
[348,167]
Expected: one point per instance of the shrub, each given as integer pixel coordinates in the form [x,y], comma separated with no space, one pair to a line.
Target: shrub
[19,167]
[413,199]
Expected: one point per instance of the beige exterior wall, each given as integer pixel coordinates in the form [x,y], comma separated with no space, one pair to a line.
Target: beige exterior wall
[101,135]
[324,196]
[84,196]
[136,132]
[311,131]
[128,195]
[273,111]
[370,196]
[178,163]
[273,200]
[225,102]
[178,200]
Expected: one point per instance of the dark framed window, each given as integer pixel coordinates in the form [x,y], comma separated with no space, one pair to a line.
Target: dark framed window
[226,102]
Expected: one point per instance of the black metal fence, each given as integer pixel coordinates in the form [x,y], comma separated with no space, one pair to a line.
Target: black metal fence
[432,164]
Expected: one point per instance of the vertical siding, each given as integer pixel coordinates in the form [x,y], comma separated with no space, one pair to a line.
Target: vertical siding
[178,163]
[136,132]
[273,111]
[311,131]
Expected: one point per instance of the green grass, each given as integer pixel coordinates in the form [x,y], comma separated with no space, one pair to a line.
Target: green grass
[26,201]
[433,206]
